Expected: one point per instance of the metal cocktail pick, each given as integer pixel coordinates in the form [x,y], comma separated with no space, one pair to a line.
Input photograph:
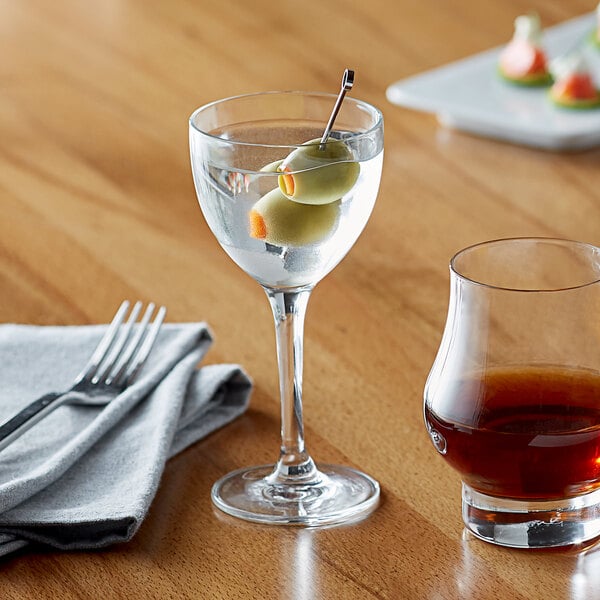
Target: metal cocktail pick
[347,83]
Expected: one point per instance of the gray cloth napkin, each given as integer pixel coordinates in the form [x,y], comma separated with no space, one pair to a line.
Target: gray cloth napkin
[84,477]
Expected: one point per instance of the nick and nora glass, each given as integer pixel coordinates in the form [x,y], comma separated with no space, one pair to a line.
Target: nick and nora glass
[512,401]
[287,207]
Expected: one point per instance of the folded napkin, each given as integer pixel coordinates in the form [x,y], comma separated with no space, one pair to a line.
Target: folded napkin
[84,477]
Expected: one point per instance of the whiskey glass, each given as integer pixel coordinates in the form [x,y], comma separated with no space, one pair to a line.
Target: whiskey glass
[512,401]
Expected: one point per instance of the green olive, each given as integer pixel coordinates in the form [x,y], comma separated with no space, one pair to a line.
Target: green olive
[276,220]
[318,174]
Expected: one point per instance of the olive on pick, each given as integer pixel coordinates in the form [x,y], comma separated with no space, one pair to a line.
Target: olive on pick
[276,220]
[318,173]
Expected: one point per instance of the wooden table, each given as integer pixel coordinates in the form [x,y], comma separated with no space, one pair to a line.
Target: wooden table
[97,204]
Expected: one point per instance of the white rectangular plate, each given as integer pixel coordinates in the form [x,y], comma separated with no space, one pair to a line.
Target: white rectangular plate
[470,95]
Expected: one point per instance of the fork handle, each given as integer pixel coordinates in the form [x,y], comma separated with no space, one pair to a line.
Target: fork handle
[27,418]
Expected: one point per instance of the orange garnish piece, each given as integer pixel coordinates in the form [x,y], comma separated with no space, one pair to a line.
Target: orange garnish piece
[288,182]
[258,227]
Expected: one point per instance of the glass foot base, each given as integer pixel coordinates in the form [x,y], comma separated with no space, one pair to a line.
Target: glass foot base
[336,495]
[531,524]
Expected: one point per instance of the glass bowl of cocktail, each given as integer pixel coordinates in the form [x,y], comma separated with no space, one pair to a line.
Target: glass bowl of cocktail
[287,199]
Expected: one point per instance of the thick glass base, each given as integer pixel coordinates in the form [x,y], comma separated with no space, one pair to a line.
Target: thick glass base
[335,495]
[531,524]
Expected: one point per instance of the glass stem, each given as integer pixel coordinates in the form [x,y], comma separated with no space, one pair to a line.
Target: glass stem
[295,466]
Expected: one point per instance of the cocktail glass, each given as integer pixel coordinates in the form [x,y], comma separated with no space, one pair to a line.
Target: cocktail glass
[287,208]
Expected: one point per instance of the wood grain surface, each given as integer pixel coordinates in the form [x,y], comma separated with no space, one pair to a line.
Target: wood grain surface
[97,204]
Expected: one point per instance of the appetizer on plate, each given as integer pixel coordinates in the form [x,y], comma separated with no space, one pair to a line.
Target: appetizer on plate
[524,60]
[574,85]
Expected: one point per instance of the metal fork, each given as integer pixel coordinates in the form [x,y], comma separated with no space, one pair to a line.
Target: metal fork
[112,367]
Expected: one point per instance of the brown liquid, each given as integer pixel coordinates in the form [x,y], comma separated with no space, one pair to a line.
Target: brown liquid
[523,432]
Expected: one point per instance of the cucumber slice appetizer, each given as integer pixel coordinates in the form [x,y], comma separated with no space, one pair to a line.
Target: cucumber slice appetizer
[533,80]
[576,103]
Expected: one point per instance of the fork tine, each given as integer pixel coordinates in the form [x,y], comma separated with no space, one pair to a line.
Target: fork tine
[117,348]
[126,356]
[141,353]
[104,344]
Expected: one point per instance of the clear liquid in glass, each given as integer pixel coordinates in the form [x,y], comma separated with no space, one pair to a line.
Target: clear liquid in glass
[229,191]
